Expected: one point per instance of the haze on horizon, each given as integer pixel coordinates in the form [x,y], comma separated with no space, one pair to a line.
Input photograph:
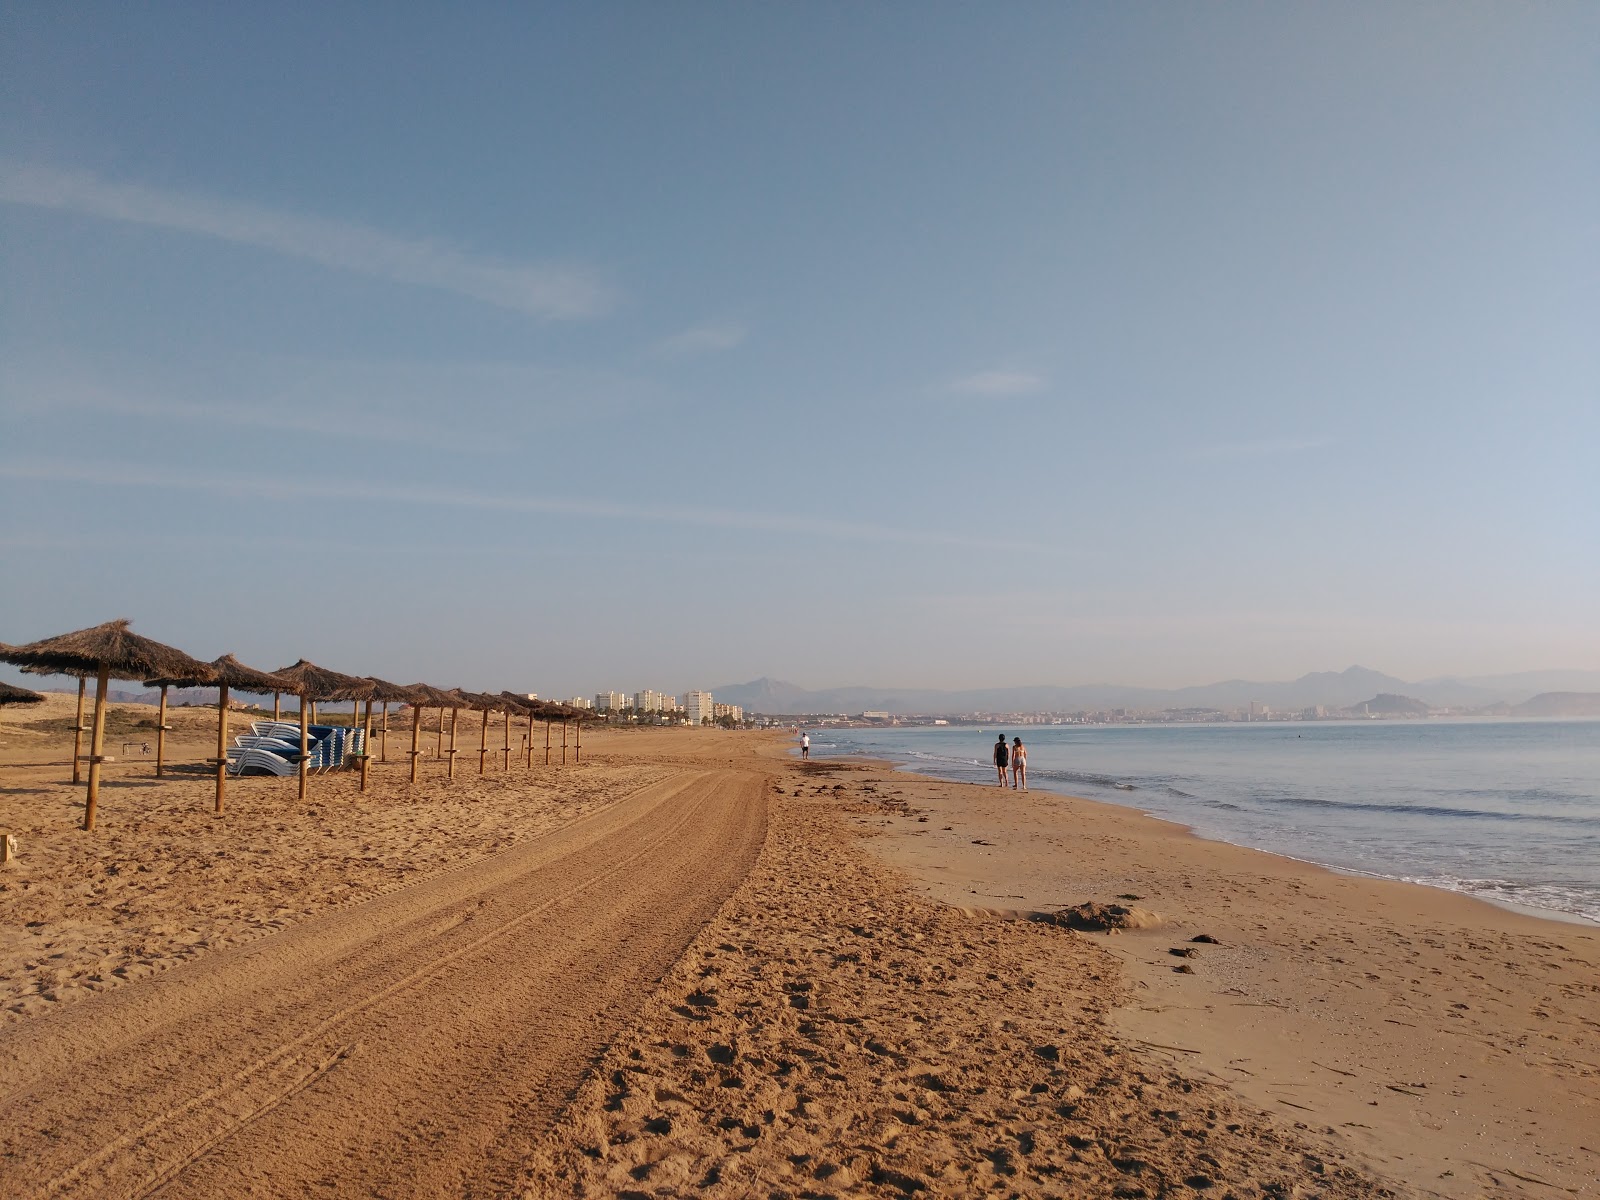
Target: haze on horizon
[944,347]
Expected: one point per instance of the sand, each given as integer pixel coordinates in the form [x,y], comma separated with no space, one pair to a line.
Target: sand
[692,966]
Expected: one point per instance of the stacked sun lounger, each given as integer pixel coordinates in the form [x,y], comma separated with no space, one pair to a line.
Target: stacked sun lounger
[273,748]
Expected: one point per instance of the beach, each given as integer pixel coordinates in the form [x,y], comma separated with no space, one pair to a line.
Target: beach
[691,965]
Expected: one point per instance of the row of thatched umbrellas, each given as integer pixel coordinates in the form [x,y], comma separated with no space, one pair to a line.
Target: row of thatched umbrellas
[113,651]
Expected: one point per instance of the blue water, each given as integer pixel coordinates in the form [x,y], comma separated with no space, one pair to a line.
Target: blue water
[1504,810]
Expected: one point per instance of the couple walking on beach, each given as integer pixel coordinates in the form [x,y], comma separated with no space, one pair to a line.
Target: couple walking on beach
[1016,757]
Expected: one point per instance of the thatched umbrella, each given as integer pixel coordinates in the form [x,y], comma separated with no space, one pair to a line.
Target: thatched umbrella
[426,696]
[78,727]
[512,703]
[10,694]
[110,651]
[385,693]
[311,683]
[486,704]
[225,673]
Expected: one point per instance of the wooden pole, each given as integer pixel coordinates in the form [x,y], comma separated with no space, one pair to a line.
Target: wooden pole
[577,751]
[313,712]
[355,723]
[161,732]
[97,744]
[528,741]
[77,736]
[455,715]
[277,706]
[222,742]
[383,735]
[366,736]
[506,765]
[563,741]
[547,741]
[483,742]
[438,742]
[416,729]
[305,743]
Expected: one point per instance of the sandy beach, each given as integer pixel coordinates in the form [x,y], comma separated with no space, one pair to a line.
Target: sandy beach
[694,966]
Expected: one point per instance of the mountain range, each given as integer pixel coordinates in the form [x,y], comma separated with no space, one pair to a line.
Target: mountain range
[1331,689]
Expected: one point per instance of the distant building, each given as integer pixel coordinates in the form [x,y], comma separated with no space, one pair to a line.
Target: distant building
[718,711]
[874,716]
[579,702]
[697,706]
[610,701]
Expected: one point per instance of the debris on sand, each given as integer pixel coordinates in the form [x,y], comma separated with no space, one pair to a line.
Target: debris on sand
[1090,917]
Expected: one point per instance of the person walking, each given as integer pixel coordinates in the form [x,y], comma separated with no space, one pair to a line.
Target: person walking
[805,745]
[1001,757]
[1019,765]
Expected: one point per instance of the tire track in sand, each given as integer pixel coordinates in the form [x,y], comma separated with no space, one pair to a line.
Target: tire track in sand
[415,1045]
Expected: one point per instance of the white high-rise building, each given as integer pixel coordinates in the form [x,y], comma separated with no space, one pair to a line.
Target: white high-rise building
[610,701]
[697,706]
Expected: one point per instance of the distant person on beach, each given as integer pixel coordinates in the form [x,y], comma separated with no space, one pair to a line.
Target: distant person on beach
[1019,764]
[1001,757]
[805,745]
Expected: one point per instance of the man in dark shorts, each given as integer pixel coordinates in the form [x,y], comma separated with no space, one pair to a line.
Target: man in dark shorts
[1002,757]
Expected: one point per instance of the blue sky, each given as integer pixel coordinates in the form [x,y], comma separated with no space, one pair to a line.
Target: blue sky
[631,346]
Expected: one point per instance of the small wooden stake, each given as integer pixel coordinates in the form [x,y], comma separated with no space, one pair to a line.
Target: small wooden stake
[547,741]
[454,716]
[383,735]
[506,765]
[527,742]
[577,750]
[483,742]
[563,741]
[416,729]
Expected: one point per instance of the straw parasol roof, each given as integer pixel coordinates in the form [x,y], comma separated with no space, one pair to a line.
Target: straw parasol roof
[384,692]
[311,682]
[520,703]
[428,696]
[16,695]
[228,671]
[113,646]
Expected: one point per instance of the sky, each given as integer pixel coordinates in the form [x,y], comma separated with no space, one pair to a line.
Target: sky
[564,348]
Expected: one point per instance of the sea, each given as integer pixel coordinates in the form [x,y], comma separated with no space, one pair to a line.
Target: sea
[1505,810]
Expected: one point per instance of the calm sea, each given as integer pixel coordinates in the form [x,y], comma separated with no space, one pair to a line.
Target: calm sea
[1505,810]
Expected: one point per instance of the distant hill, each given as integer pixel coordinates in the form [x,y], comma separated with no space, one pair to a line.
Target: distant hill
[1329,689]
[1390,705]
[1560,704]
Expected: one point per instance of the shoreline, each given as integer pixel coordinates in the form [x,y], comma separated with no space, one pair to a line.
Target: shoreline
[1559,916]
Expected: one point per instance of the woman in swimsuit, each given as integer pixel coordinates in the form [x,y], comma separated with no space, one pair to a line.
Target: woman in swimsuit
[1019,765]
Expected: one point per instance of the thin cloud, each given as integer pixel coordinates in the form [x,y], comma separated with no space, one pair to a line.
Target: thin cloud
[268,488]
[538,291]
[702,339]
[999,383]
[1260,448]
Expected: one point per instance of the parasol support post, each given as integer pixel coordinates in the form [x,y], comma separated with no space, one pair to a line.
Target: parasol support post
[97,745]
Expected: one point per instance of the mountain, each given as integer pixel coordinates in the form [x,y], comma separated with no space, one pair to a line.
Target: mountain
[1329,689]
[1560,704]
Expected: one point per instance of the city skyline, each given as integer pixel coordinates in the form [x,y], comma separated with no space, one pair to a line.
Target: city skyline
[941,348]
